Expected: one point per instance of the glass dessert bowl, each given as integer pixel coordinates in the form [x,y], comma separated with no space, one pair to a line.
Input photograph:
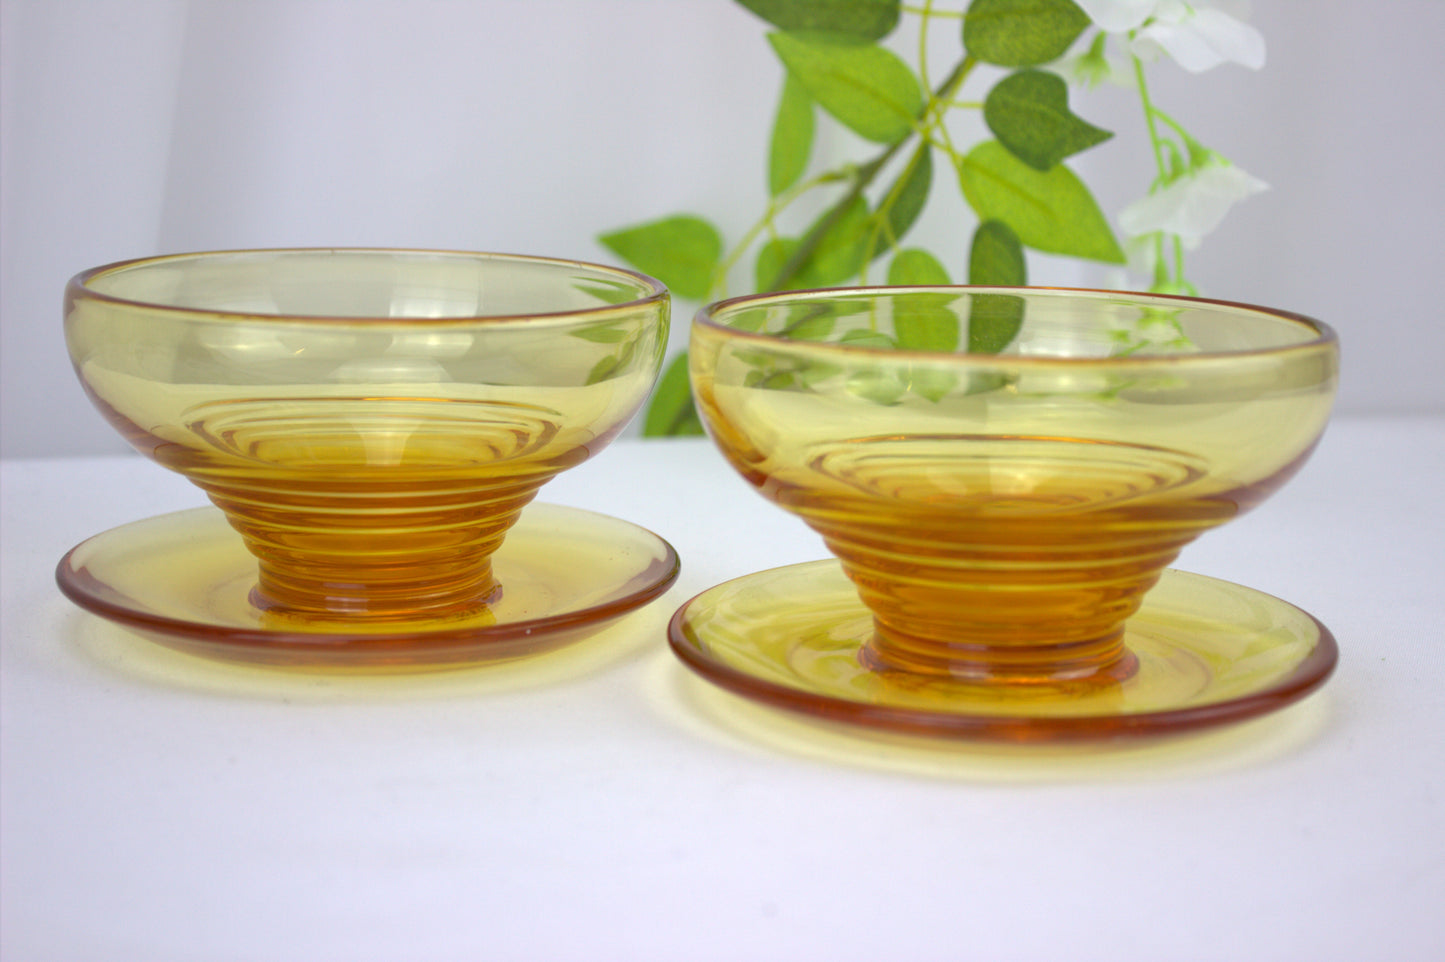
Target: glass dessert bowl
[372,423]
[1004,477]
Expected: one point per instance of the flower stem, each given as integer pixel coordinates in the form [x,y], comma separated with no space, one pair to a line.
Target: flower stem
[1150,116]
[882,229]
[1151,123]
[776,206]
[1182,285]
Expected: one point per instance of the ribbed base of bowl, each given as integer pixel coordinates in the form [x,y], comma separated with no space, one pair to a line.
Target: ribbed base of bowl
[945,605]
[374,508]
[374,550]
[1012,560]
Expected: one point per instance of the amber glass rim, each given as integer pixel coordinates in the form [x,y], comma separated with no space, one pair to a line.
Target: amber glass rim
[1325,336]
[78,288]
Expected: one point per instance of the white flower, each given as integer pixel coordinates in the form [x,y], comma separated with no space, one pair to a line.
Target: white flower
[1118,16]
[1194,204]
[1197,35]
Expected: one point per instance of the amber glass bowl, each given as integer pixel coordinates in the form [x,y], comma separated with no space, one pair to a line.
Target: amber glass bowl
[372,422]
[1005,474]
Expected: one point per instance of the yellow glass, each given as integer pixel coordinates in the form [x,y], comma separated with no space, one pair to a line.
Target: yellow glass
[372,422]
[1003,515]
[184,580]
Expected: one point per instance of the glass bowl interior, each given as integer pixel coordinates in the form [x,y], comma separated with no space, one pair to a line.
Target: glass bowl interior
[375,350]
[999,394]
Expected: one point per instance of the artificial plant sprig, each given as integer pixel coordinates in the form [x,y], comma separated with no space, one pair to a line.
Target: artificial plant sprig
[1018,183]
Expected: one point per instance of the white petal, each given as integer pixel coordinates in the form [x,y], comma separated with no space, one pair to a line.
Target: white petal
[1172,11]
[1193,205]
[1118,16]
[1202,40]
[1142,253]
[1235,40]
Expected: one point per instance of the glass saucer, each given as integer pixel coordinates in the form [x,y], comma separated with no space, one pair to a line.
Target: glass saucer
[1209,652]
[184,580]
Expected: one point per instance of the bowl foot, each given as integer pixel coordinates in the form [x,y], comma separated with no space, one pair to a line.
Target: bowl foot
[352,551]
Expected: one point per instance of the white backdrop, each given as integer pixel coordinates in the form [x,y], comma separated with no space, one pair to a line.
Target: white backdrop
[133,127]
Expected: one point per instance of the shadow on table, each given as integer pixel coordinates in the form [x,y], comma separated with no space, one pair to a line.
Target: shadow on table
[121,653]
[723,717]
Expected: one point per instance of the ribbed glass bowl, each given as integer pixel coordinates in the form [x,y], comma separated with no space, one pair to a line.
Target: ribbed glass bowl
[372,422]
[1005,474]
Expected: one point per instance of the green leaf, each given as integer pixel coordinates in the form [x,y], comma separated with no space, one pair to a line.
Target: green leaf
[614,365]
[880,387]
[671,412]
[993,322]
[909,195]
[809,322]
[928,322]
[771,258]
[1028,112]
[839,255]
[1049,211]
[792,137]
[923,322]
[767,380]
[681,251]
[863,337]
[996,258]
[606,291]
[932,383]
[602,335]
[869,89]
[913,267]
[859,20]
[928,326]
[1021,33]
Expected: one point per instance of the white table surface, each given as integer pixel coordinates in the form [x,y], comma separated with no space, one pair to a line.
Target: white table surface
[603,803]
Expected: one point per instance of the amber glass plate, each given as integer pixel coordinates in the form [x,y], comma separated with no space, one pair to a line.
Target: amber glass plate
[1209,652]
[185,579]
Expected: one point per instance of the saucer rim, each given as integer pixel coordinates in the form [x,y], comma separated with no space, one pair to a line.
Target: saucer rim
[92,595]
[1299,681]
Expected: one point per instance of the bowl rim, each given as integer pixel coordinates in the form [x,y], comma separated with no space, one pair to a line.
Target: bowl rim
[1325,336]
[78,289]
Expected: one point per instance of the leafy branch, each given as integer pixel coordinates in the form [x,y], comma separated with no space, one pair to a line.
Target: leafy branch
[1017,183]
